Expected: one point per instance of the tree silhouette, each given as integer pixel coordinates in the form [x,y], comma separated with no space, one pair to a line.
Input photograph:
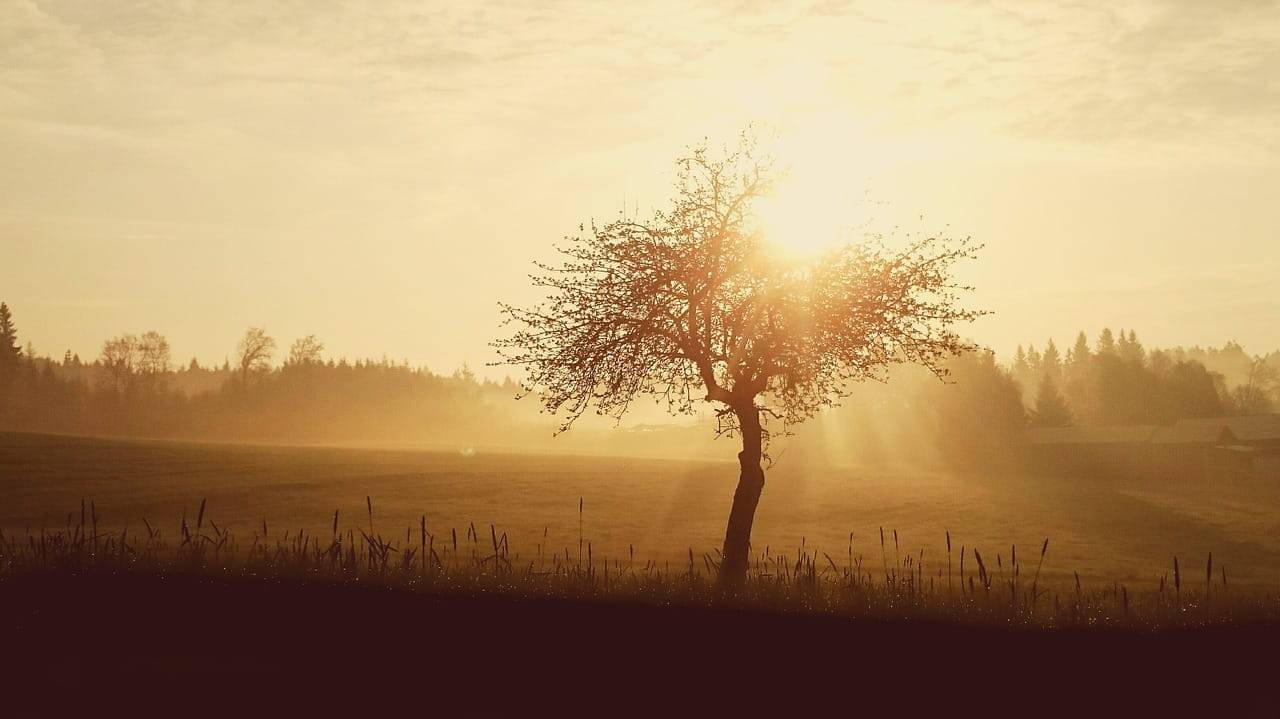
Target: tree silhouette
[10,350]
[1132,351]
[153,354]
[1079,353]
[253,354]
[691,306]
[135,363]
[1254,396]
[1051,407]
[1106,342]
[120,358]
[1051,361]
[1035,362]
[1020,367]
[1077,379]
[305,351]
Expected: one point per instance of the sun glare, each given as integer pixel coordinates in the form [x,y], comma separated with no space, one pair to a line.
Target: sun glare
[801,219]
[818,202]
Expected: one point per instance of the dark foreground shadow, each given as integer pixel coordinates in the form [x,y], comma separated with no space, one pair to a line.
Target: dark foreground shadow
[175,645]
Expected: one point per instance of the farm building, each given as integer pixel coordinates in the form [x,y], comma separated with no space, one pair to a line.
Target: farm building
[1218,447]
[1255,442]
[1110,451]
[1260,431]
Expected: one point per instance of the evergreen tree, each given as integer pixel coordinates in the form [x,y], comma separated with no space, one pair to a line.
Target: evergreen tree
[10,350]
[1077,380]
[1051,361]
[1051,407]
[1020,367]
[1131,350]
[1106,342]
[1035,362]
[1079,354]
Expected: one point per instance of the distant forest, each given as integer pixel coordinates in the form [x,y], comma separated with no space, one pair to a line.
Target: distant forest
[133,388]
[268,393]
[985,406]
[1117,381]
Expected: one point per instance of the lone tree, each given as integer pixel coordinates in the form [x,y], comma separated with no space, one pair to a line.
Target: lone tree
[692,306]
[253,354]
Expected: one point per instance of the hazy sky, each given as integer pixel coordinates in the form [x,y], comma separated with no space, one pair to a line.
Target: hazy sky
[381,173]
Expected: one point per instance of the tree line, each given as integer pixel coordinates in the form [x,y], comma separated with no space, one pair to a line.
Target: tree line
[985,407]
[1116,380]
[133,388]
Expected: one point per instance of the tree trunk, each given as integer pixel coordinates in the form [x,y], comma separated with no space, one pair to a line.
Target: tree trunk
[737,536]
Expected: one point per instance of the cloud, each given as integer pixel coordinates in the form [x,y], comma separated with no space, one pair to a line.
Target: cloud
[1199,74]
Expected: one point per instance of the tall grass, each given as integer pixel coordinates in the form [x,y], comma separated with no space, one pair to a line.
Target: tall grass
[804,580]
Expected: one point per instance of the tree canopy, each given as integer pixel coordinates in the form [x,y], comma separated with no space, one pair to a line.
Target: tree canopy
[691,304]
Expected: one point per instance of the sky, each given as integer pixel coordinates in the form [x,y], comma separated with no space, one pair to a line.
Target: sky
[381,174]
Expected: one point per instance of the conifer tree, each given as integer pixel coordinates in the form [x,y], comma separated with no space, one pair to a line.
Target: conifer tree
[1122,343]
[1106,342]
[10,350]
[1051,361]
[1131,350]
[1020,367]
[1035,362]
[1079,353]
[1051,407]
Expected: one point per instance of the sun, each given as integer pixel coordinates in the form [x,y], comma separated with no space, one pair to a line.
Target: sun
[817,203]
[800,218]
[826,148]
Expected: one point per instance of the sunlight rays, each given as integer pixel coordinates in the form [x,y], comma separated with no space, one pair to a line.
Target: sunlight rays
[821,201]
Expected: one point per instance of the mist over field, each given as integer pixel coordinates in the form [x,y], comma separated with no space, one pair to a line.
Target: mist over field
[292,443]
[660,509]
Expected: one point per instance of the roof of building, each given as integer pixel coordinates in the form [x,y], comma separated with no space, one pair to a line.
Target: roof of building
[1237,431]
[1256,428]
[1251,428]
[1194,432]
[1132,434]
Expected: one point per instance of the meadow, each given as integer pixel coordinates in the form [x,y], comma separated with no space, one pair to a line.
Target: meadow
[218,573]
[653,512]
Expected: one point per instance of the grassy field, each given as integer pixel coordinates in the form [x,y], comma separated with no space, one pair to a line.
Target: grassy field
[1107,532]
